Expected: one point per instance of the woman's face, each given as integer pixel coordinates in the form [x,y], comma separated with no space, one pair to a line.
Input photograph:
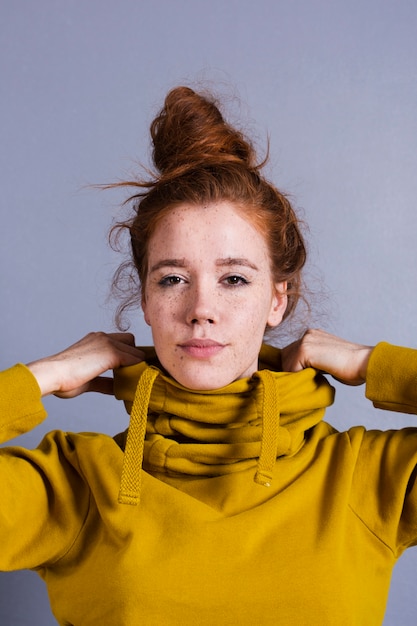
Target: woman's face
[209,294]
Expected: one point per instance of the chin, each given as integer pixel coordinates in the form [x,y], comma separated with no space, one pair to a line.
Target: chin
[199,375]
[201,381]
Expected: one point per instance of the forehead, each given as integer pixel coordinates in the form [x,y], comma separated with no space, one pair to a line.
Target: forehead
[212,226]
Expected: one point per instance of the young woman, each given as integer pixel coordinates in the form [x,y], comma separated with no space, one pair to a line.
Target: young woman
[229,500]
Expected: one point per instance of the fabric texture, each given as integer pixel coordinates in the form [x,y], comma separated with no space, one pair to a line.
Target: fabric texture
[219,533]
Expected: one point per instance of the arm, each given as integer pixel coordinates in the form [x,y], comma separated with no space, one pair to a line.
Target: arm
[390,372]
[384,486]
[44,493]
[39,516]
[69,373]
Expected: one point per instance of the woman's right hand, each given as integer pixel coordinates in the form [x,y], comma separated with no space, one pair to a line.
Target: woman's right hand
[79,368]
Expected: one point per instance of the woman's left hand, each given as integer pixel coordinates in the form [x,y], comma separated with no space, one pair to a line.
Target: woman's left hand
[347,362]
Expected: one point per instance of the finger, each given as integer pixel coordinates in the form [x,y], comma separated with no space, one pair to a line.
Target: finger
[126,338]
[102,384]
[130,356]
[125,342]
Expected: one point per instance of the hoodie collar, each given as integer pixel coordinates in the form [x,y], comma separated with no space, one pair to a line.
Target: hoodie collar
[249,423]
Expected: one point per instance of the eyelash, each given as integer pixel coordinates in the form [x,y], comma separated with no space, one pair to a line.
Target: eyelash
[235,280]
[240,280]
[170,281]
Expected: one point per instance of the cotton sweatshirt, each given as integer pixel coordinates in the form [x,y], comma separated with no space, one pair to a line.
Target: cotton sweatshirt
[234,506]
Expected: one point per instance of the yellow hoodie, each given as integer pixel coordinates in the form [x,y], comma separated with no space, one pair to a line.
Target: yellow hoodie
[249,508]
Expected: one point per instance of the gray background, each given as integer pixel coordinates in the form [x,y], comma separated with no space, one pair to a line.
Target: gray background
[334,83]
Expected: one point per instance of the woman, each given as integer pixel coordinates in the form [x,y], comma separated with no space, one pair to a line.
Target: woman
[249,508]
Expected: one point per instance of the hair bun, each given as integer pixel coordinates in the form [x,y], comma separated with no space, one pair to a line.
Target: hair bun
[190,131]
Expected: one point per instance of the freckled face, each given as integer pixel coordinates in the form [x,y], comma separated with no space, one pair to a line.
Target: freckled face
[209,294]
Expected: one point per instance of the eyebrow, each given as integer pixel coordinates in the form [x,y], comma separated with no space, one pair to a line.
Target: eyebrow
[226,262]
[167,263]
[231,261]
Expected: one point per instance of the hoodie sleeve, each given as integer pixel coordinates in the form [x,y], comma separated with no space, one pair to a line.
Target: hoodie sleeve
[43,499]
[384,494]
[21,408]
[391,381]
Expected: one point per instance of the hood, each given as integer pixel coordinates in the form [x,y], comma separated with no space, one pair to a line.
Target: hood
[249,423]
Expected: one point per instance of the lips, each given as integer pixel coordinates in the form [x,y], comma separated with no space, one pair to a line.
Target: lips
[201,348]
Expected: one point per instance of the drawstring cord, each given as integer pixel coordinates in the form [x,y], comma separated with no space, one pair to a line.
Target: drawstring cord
[130,485]
[270,427]
[132,462]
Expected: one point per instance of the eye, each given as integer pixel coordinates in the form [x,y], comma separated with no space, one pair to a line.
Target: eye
[170,281]
[235,280]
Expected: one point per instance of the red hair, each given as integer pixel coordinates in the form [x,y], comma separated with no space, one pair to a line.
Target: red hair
[201,159]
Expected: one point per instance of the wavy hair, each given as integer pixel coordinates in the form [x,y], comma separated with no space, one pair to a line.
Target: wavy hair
[200,159]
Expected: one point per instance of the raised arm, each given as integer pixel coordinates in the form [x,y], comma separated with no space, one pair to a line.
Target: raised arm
[79,368]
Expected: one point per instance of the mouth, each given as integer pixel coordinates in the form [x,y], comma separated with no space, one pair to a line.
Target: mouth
[201,348]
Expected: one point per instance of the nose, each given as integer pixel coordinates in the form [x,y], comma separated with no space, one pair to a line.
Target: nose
[201,306]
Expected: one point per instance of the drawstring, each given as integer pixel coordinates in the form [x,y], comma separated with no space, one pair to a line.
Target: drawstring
[270,427]
[132,463]
[130,485]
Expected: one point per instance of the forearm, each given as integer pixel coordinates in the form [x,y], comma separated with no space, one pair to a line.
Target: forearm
[80,367]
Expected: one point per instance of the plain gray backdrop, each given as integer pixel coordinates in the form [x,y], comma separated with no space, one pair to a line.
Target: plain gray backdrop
[334,85]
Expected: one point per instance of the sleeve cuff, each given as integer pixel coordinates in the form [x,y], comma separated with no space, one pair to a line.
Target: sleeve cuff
[21,407]
[391,379]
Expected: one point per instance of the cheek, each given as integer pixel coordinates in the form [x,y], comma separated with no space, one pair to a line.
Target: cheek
[250,324]
[259,310]
[159,311]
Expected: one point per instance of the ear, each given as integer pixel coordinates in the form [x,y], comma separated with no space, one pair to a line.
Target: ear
[144,309]
[278,304]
